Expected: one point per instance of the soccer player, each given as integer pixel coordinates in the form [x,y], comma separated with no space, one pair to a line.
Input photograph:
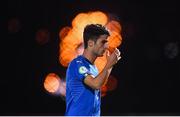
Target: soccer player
[83,81]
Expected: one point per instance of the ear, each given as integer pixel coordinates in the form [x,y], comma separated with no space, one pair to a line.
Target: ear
[90,43]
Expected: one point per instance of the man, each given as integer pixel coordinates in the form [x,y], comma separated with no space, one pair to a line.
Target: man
[83,82]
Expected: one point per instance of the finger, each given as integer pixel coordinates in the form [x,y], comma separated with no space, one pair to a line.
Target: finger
[119,58]
[118,55]
[107,53]
[117,51]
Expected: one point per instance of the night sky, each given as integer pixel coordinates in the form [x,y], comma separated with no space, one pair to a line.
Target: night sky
[148,74]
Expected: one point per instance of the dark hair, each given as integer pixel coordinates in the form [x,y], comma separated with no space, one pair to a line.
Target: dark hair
[92,32]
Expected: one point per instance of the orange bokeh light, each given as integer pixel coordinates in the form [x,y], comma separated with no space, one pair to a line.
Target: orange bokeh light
[104,90]
[51,83]
[111,83]
[71,44]
[71,38]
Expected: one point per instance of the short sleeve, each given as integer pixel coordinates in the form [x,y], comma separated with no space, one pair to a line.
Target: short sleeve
[81,70]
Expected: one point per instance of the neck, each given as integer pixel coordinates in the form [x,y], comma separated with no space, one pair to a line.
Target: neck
[89,55]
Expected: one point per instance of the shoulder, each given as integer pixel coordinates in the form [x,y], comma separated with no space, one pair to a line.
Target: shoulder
[76,61]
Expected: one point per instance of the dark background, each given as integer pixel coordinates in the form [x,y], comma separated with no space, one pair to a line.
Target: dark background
[148,80]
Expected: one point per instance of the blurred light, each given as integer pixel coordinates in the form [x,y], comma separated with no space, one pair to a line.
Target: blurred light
[80,49]
[109,86]
[115,38]
[51,83]
[14,25]
[62,88]
[71,38]
[71,44]
[64,31]
[103,90]
[54,85]
[42,36]
[111,83]
[171,50]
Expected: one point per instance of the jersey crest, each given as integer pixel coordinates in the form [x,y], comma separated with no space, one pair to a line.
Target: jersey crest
[82,70]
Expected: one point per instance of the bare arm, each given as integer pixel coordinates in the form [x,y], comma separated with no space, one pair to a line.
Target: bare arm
[102,77]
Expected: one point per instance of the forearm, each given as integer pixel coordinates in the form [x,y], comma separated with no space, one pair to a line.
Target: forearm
[107,77]
[102,78]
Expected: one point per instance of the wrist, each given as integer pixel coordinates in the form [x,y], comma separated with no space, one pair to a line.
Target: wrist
[107,67]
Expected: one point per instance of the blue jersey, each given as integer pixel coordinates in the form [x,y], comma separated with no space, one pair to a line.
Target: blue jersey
[81,99]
